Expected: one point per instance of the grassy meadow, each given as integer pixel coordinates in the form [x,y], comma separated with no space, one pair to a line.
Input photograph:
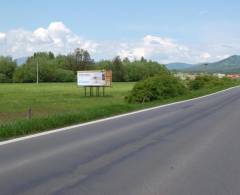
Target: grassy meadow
[54,98]
[60,104]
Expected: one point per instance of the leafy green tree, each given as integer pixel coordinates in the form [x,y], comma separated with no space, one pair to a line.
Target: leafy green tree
[132,71]
[117,69]
[7,68]
[143,59]
[50,69]
[3,78]
[79,60]
[105,64]
[65,75]
[25,74]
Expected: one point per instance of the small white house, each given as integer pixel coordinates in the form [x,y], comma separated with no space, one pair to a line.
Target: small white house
[219,75]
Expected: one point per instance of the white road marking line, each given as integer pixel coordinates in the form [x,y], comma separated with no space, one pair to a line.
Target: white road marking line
[106,119]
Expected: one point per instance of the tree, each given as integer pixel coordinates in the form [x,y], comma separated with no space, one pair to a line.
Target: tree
[83,59]
[79,60]
[51,55]
[50,69]
[118,69]
[143,59]
[7,68]
[126,60]
[132,71]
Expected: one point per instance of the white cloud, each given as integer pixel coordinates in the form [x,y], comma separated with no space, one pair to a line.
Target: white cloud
[56,37]
[60,39]
[166,50]
[41,35]
[205,56]
[2,36]
[155,47]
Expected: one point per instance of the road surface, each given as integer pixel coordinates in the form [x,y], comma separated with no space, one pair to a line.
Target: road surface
[187,148]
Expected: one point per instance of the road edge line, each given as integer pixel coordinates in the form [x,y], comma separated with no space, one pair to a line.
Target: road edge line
[47,132]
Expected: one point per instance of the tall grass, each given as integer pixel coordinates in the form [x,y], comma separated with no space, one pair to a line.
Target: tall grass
[89,108]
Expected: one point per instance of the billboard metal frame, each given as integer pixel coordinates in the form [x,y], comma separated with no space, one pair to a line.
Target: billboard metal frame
[107,77]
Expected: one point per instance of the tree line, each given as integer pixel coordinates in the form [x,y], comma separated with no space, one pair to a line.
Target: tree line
[63,68]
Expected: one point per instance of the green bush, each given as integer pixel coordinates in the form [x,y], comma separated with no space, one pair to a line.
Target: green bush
[4,79]
[7,68]
[27,73]
[65,75]
[157,88]
[196,84]
[208,81]
[24,75]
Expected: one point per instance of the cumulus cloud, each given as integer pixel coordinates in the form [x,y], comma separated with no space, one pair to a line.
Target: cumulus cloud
[56,37]
[166,50]
[156,47]
[205,56]
[2,35]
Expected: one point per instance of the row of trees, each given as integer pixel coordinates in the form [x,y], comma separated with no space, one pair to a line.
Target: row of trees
[131,71]
[63,68]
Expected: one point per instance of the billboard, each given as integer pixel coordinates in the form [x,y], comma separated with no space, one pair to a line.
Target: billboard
[94,78]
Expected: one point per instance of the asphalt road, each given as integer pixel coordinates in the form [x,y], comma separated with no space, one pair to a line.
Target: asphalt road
[187,148]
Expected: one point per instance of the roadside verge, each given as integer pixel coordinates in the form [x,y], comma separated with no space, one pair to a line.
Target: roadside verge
[109,118]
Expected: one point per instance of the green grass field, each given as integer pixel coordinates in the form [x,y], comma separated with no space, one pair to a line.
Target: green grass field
[61,104]
[54,98]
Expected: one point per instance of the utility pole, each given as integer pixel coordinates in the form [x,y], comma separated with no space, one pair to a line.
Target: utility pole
[37,71]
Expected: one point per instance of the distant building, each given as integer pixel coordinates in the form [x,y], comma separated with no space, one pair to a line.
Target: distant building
[233,76]
[185,76]
[219,75]
[191,76]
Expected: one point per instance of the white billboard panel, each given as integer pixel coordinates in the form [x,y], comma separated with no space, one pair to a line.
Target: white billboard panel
[91,78]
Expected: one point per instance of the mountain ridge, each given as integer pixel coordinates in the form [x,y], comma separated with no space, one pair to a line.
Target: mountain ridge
[178,65]
[227,65]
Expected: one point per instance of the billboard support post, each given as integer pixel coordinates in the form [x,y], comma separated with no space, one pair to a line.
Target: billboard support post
[97,91]
[91,91]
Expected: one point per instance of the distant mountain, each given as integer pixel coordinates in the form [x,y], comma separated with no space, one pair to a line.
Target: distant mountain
[228,65]
[178,66]
[21,61]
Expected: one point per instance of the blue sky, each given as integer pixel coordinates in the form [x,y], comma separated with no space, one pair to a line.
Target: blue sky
[166,31]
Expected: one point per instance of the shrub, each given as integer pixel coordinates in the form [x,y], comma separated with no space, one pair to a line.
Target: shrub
[157,88]
[7,68]
[196,84]
[47,73]
[207,81]
[24,75]
[3,78]
[65,75]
